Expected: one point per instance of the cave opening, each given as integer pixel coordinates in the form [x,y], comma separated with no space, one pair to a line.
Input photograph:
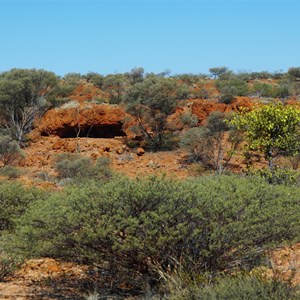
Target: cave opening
[93,131]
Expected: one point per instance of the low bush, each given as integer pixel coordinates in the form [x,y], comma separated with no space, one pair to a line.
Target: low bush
[214,144]
[277,176]
[10,172]
[230,88]
[239,288]
[10,151]
[14,200]
[167,141]
[8,265]
[208,225]
[74,166]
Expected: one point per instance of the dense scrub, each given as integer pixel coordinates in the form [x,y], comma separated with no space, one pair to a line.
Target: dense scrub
[14,200]
[156,225]
[207,225]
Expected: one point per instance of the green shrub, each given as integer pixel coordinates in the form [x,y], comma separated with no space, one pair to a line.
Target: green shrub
[10,172]
[133,143]
[231,88]
[213,144]
[8,264]
[239,288]
[278,176]
[9,150]
[189,119]
[167,141]
[14,199]
[74,166]
[209,224]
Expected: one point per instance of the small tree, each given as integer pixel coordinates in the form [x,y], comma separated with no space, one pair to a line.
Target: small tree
[23,95]
[213,144]
[294,72]
[115,85]
[217,71]
[272,129]
[151,102]
[135,75]
[94,78]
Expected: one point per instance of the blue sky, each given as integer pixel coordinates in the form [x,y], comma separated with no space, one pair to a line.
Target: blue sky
[183,36]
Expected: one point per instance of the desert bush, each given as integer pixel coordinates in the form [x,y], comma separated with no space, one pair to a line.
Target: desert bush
[189,119]
[151,102]
[115,85]
[74,166]
[213,144]
[208,225]
[261,89]
[23,97]
[169,141]
[239,288]
[277,176]
[10,172]
[272,129]
[9,150]
[8,265]
[230,88]
[94,78]
[14,199]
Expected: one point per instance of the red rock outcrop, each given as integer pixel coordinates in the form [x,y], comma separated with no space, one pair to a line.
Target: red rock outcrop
[202,108]
[85,120]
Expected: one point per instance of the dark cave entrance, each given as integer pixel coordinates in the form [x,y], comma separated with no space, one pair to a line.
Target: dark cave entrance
[93,131]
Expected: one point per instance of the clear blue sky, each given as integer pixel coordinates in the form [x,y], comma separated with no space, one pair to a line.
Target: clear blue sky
[183,36]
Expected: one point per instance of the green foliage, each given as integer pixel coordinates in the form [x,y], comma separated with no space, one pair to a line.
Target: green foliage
[135,75]
[10,172]
[217,71]
[151,102]
[14,199]
[294,72]
[230,88]
[8,265]
[240,288]
[23,95]
[115,85]
[213,144]
[189,119]
[73,78]
[94,78]
[10,151]
[278,176]
[262,89]
[272,129]
[168,141]
[189,78]
[209,224]
[74,166]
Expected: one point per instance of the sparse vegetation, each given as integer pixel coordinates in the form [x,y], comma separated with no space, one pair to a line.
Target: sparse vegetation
[195,238]
[214,144]
[10,151]
[151,102]
[73,166]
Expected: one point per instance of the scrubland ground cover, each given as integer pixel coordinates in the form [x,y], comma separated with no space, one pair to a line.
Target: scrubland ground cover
[202,237]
